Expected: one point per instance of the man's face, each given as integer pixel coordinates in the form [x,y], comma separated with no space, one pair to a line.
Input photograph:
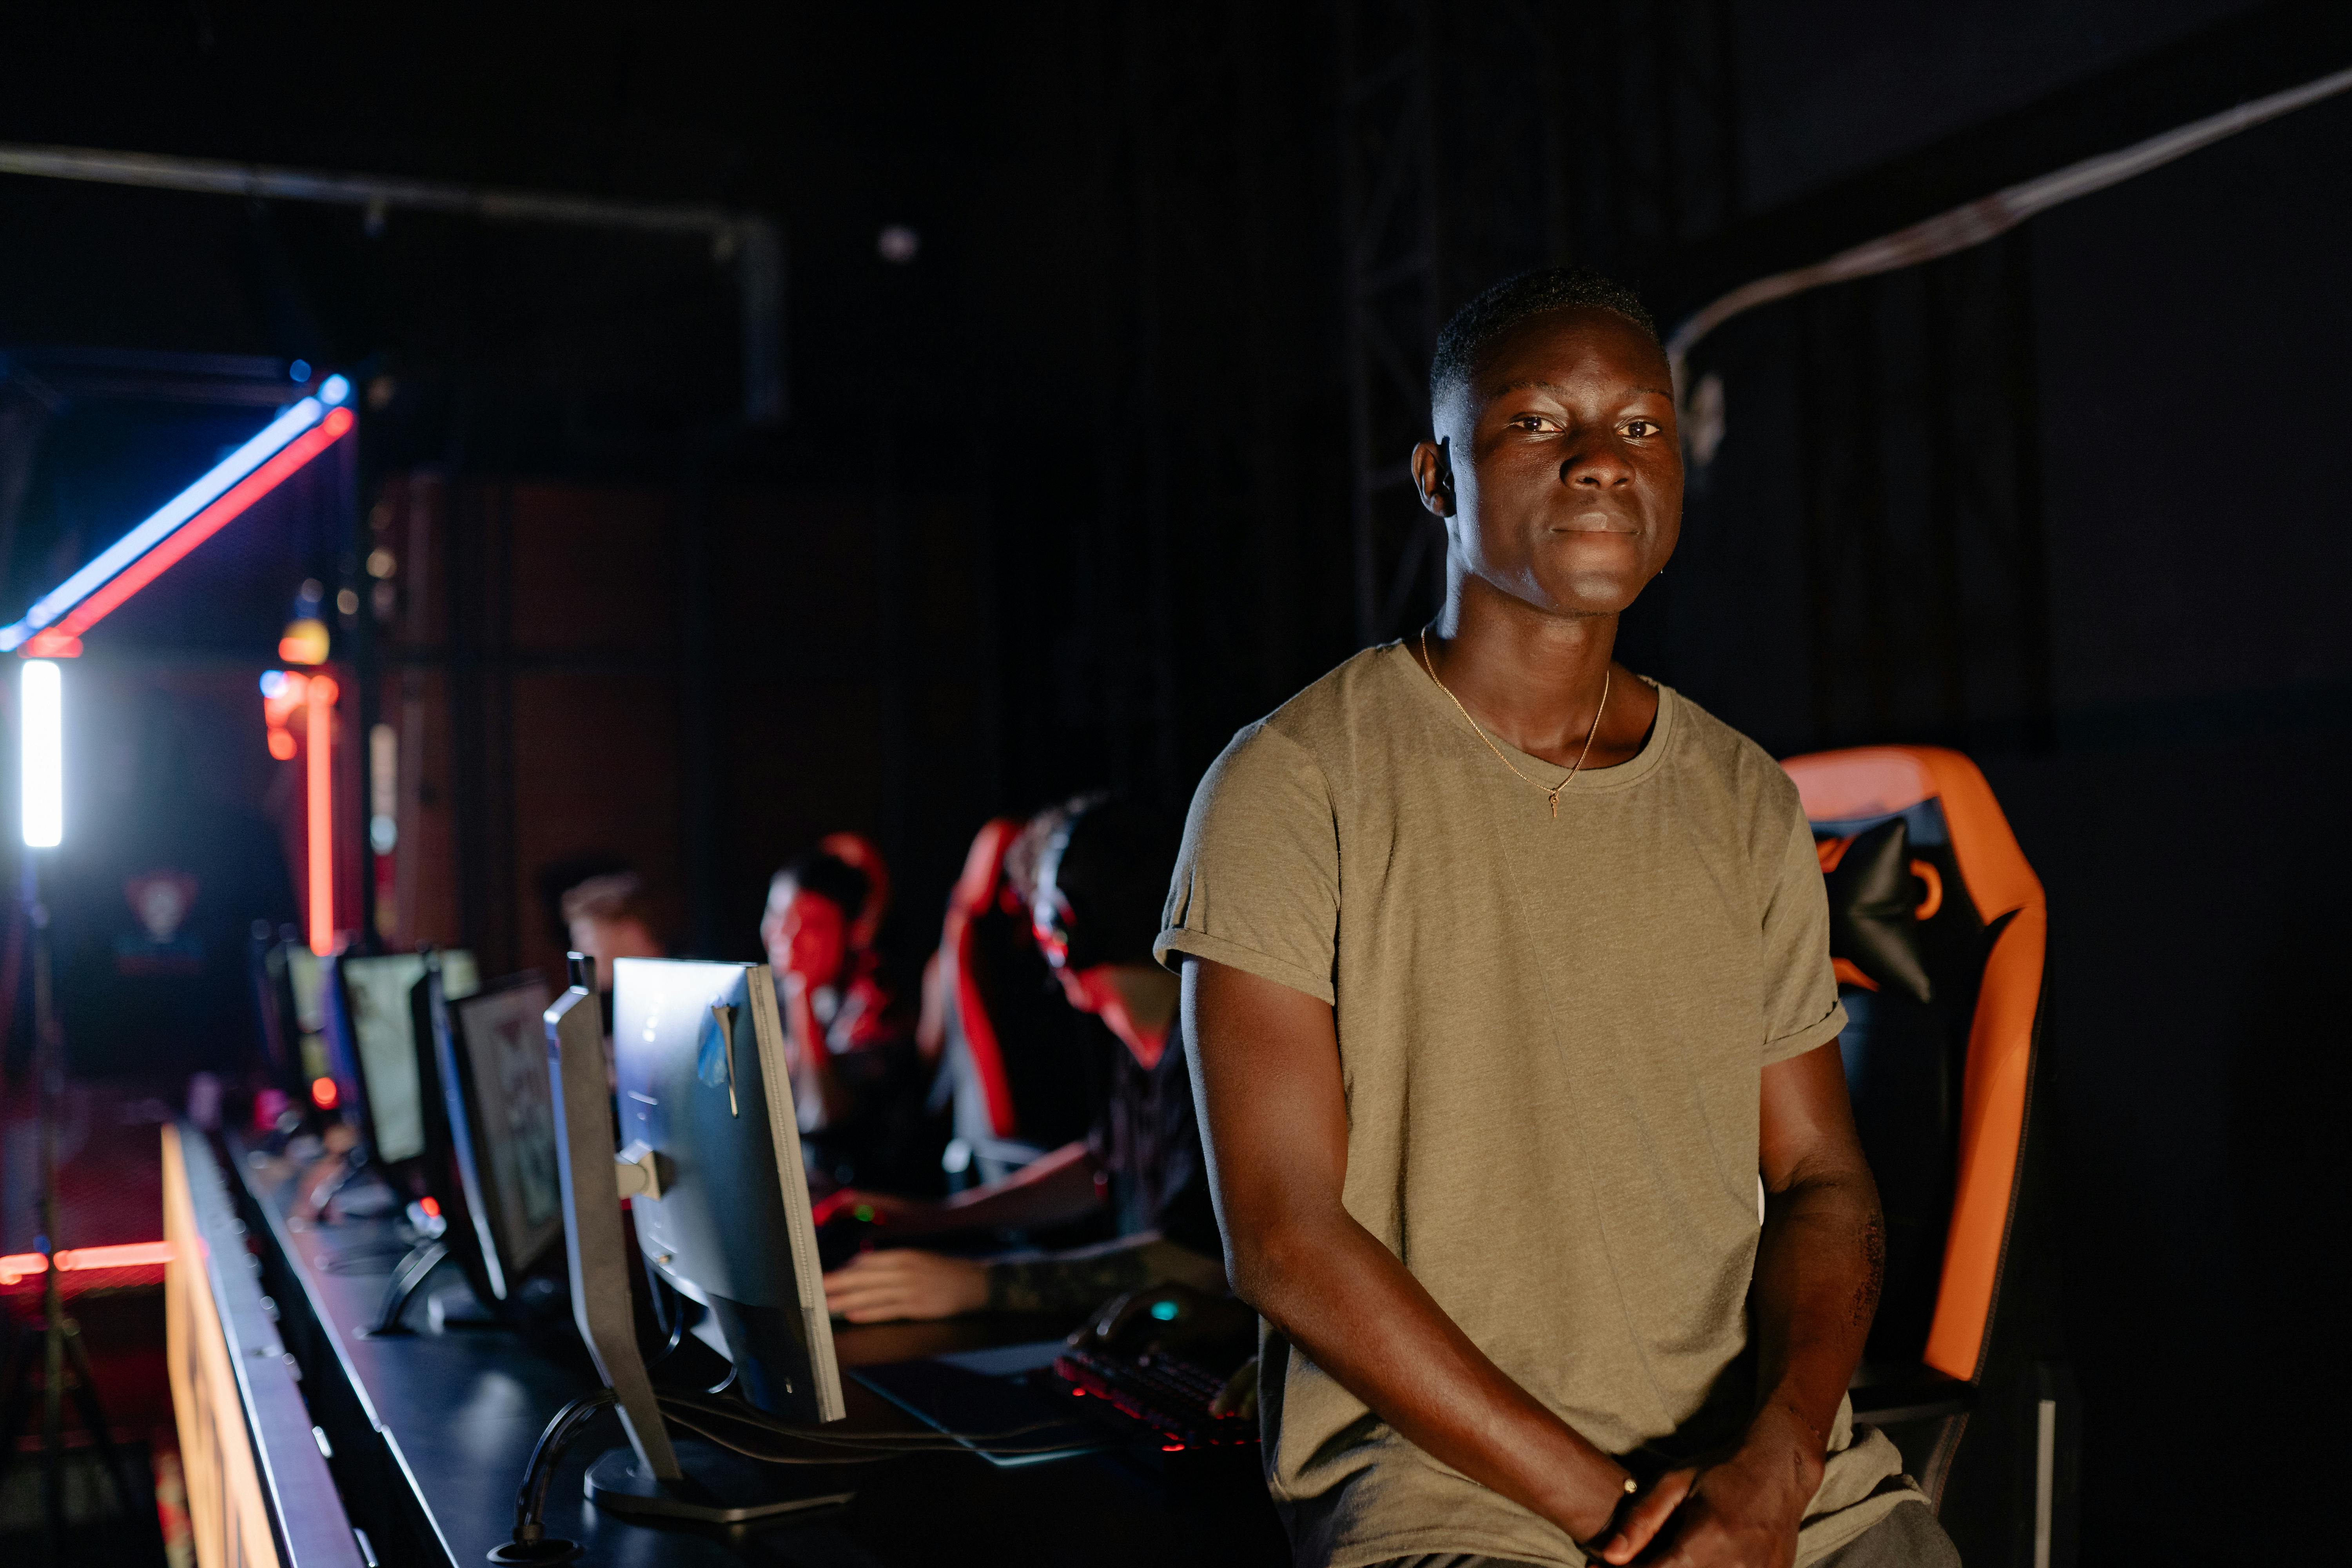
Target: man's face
[1565,466]
[805,933]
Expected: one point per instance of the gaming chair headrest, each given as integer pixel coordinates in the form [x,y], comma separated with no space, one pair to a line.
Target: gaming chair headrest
[984,866]
[861,855]
[1880,895]
[1869,783]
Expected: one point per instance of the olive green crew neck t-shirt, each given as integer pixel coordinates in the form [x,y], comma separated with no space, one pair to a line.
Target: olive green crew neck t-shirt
[1551,1035]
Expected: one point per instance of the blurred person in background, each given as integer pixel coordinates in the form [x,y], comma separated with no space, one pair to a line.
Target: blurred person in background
[1101,875]
[857,1074]
[611,917]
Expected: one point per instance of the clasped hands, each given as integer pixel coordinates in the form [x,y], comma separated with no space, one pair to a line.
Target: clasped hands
[1738,1510]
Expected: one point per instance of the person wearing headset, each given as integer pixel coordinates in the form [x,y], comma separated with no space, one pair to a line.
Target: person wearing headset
[1094,909]
[857,1074]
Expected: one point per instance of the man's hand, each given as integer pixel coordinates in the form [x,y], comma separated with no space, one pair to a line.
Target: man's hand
[1239,1396]
[900,1282]
[1739,1512]
[1815,1288]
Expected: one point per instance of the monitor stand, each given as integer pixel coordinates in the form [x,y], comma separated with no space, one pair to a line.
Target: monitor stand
[329,1197]
[458,1310]
[407,1276]
[661,1477]
[718,1487]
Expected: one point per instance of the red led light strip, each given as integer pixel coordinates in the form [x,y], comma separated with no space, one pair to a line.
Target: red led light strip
[319,745]
[130,1255]
[63,640]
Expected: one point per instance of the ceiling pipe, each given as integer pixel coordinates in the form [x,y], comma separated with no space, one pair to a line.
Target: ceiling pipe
[753,243]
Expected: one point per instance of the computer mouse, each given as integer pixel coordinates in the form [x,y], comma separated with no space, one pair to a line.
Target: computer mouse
[1173,1318]
[842,1236]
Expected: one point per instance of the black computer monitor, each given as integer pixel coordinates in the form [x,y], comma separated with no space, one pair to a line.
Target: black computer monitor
[491,1119]
[706,1100]
[295,973]
[273,1007]
[372,1046]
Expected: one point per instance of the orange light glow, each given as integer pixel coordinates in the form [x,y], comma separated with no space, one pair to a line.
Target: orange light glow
[320,714]
[429,1206]
[305,642]
[278,708]
[324,1093]
[129,1255]
[203,526]
[53,644]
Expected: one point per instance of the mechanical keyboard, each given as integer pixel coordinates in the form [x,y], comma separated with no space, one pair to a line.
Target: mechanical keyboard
[1164,1392]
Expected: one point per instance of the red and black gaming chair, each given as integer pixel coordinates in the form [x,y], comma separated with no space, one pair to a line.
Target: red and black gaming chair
[1938,934]
[1017,1052]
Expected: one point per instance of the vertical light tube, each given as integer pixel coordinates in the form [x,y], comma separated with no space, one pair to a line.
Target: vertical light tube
[384,823]
[319,762]
[41,695]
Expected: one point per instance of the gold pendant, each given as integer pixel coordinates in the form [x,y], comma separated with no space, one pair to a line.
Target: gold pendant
[1555,805]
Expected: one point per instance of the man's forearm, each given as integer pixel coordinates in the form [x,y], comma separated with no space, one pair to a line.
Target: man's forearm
[1358,1313]
[1088,1277]
[1051,1189]
[1819,1266]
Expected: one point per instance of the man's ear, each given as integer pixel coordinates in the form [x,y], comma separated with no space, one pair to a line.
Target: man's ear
[1432,475]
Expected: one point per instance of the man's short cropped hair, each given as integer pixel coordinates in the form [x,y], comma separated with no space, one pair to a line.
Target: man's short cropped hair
[1476,326]
[622,895]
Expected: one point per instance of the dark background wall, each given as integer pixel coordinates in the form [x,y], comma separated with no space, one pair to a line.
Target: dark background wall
[1077,492]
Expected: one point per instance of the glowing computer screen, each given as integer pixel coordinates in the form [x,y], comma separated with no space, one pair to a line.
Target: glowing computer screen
[383,1041]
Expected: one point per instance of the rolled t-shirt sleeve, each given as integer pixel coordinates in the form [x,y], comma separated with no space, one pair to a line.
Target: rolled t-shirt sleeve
[1801,1010]
[1258,881]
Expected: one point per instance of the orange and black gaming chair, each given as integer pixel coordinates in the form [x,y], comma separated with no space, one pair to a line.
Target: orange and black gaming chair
[1938,932]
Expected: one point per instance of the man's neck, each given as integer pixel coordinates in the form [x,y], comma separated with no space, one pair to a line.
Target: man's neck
[1534,680]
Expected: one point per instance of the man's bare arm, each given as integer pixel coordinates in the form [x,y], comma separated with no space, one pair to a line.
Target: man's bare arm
[1822,1257]
[1818,1269]
[1265,1065]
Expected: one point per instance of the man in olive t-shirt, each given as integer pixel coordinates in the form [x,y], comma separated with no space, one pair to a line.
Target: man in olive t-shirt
[1509,980]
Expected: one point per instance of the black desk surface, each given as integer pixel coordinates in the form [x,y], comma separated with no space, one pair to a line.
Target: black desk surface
[431,1433]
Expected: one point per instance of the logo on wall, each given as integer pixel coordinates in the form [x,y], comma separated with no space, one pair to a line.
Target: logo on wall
[160,902]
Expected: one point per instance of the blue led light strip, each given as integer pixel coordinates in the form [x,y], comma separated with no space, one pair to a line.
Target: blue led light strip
[290,423]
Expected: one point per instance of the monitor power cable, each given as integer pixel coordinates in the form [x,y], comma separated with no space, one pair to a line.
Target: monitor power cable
[713,1420]
[663,1291]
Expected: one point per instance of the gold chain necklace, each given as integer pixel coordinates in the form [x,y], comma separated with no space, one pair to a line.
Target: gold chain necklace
[1552,791]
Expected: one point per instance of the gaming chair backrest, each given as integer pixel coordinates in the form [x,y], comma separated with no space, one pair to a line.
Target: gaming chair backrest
[1026,1045]
[1938,930]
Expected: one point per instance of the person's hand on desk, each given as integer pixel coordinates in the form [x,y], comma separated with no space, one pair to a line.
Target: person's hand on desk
[900,1282]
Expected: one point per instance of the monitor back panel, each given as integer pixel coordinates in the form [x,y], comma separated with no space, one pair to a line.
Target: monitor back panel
[698,1047]
[503,1117]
